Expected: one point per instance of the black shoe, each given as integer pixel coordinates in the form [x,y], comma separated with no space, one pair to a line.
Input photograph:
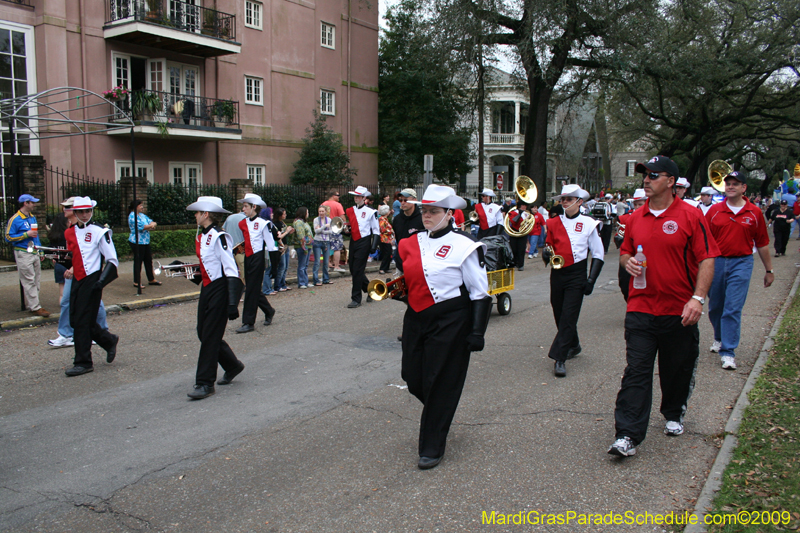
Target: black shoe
[369,298]
[399,338]
[78,370]
[201,391]
[521,269]
[246,328]
[111,353]
[575,350]
[560,369]
[268,318]
[428,462]
[353,304]
[228,376]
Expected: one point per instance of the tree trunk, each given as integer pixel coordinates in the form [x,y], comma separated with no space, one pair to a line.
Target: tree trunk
[535,150]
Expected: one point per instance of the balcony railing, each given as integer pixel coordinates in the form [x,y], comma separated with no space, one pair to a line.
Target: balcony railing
[177,15]
[505,138]
[155,106]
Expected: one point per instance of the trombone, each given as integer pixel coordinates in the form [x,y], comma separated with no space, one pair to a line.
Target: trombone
[177,270]
[717,171]
[58,254]
[556,261]
[381,290]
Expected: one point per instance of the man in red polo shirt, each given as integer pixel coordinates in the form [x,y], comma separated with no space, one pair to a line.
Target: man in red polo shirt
[737,225]
[662,317]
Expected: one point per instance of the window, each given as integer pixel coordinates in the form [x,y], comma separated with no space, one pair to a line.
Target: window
[17,79]
[252,91]
[255,173]
[189,174]
[327,102]
[631,166]
[328,35]
[144,169]
[252,14]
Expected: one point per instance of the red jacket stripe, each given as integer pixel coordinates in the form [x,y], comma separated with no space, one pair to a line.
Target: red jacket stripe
[558,238]
[355,230]
[206,279]
[419,294]
[248,245]
[78,270]
[484,225]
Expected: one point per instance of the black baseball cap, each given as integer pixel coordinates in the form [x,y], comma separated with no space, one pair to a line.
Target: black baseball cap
[738,176]
[659,163]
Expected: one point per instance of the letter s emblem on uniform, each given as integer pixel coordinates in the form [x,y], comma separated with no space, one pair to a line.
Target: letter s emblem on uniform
[208,240]
[88,237]
[255,225]
[579,227]
[364,215]
[444,251]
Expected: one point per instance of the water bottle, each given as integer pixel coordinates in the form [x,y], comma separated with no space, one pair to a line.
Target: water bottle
[640,281]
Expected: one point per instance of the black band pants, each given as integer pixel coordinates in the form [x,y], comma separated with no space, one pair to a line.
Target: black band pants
[254,299]
[359,252]
[566,297]
[84,303]
[518,245]
[212,317]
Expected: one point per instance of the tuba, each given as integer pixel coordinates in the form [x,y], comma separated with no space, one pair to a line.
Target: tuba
[381,290]
[717,171]
[473,217]
[524,228]
[337,225]
[527,192]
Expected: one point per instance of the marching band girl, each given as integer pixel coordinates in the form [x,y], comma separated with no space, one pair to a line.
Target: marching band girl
[256,234]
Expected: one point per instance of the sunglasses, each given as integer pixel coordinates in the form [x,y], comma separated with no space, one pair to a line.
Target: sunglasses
[656,175]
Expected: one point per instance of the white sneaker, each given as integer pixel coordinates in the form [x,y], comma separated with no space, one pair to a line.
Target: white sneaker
[715,347]
[673,428]
[728,363]
[536,254]
[339,270]
[623,447]
[530,256]
[61,342]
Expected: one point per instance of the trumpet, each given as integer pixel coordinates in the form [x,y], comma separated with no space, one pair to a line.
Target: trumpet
[381,290]
[177,270]
[556,261]
[58,254]
[473,217]
[337,225]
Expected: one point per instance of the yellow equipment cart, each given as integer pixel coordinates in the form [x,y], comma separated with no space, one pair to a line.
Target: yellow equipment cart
[501,281]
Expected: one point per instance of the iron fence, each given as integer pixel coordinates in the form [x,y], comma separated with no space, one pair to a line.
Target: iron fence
[61,184]
[175,14]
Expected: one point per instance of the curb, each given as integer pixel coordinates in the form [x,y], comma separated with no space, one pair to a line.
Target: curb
[34,321]
[714,481]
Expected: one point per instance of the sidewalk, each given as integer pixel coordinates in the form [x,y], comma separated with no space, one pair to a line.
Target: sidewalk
[120,295]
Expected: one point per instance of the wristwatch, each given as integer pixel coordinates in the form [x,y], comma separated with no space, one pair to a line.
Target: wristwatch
[770,271]
[699,299]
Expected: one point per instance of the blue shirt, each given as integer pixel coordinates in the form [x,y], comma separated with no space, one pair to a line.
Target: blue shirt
[396,207]
[144,235]
[16,229]
[790,198]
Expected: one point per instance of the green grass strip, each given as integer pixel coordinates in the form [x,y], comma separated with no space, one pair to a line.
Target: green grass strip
[761,485]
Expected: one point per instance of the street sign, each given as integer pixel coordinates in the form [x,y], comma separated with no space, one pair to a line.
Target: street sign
[499,182]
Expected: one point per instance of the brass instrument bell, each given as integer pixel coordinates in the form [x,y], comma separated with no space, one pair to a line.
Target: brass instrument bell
[717,171]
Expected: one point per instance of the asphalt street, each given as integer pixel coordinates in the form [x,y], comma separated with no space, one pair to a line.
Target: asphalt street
[319,434]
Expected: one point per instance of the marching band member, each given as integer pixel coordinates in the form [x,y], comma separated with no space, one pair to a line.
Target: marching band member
[681,186]
[256,233]
[219,298]
[88,242]
[706,199]
[448,311]
[490,215]
[365,234]
[572,236]
[639,198]
[518,243]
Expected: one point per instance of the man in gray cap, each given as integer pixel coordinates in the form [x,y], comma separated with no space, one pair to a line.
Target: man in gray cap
[407,223]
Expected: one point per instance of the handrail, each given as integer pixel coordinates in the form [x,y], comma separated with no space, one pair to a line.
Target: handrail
[175,14]
[180,108]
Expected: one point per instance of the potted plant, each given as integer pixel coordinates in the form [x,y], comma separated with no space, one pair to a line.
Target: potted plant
[153,8]
[224,111]
[145,105]
[209,23]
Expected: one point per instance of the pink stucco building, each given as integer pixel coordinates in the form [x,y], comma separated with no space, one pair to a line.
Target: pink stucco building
[236,81]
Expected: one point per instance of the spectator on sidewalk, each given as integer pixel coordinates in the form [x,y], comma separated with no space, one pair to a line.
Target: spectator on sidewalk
[782,220]
[283,264]
[65,331]
[335,209]
[22,230]
[322,237]
[387,238]
[301,240]
[272,254]
[231,227]
[141,250]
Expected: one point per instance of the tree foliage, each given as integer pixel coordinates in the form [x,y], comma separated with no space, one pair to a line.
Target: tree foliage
[323,159]
[713,80]
[422,104]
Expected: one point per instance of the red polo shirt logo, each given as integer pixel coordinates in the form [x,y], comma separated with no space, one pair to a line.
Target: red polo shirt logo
[579,227]
[88,237]
[444,251]
[670,227]
[748,221]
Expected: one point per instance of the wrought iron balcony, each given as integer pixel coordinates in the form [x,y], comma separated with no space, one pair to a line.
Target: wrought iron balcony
[172,25]
[179,116]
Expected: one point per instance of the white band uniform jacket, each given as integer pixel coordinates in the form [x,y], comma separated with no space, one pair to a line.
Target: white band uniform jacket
[216,260]
[435,268]
[257,234]
[87,244]
[363,222]
[489,215]
[573,238]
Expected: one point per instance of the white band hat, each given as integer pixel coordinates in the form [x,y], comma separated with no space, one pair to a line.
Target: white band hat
[639,194]
[708,190]
[254,199]
[83,202]
[682,182]
[441,196]
[573,191]
[488,192]
[361,191]
[211,204]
